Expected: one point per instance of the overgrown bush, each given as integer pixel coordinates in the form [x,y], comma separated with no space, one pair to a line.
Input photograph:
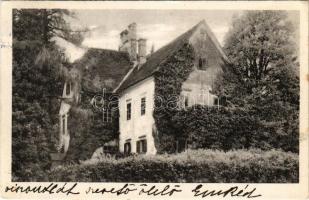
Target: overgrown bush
[209,166]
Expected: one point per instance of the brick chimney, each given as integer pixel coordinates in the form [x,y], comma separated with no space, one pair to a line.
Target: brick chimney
[142,50]
[128,41]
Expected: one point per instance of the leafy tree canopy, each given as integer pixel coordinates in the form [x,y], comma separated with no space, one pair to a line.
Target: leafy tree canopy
[262,77]
[261,47]
[44,24]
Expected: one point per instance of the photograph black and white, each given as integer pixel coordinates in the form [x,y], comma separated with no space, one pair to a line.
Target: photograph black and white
[155,96]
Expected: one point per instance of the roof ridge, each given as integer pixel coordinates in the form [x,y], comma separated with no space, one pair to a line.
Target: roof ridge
[99,50]
[108,65]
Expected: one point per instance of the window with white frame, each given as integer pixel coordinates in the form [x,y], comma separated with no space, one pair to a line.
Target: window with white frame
[107,115]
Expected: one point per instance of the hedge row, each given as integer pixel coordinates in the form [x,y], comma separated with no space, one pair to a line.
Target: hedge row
[208,166]
[228,129]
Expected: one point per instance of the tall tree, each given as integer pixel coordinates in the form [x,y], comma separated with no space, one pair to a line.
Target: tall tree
[261,47]
[262,77]
[37,64]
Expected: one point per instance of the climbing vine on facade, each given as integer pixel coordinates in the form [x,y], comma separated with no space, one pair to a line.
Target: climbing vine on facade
[168,80]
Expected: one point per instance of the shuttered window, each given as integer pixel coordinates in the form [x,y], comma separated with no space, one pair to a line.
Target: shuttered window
[138,146]
[144,146]
[141,146]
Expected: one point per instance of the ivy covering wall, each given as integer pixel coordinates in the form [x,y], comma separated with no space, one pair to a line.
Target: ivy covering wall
[85,123]
[88,132]
[168,81]
[205,127]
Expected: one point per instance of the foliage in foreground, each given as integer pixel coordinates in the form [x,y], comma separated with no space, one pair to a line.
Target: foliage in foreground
[192,166]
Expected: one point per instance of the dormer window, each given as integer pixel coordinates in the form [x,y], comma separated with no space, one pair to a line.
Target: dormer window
[202,64]
[68,89]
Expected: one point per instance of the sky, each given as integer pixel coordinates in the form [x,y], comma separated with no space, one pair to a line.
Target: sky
[159,27]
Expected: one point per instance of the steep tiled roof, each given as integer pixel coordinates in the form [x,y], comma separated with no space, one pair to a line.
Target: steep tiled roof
[103,68]
[155,59]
